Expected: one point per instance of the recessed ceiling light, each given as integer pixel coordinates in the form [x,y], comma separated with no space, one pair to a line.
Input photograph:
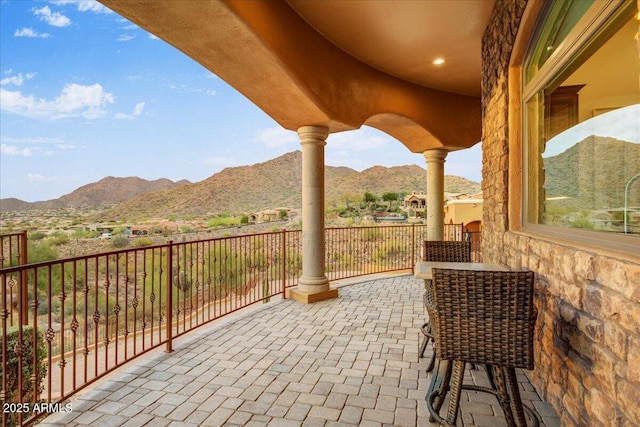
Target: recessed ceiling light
[438,61]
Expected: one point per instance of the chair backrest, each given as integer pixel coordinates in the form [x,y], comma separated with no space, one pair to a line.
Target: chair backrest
[441,251]
[484,317]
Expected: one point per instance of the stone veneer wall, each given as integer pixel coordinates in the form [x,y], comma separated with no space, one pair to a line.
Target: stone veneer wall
[588,328]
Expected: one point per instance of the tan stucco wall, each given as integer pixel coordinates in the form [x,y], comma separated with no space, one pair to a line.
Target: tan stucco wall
[588,330]
[464,213]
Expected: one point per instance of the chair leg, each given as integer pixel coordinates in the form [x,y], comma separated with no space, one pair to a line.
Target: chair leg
[489,370]
[428,335]
[438,389]
[503,394]
[432,362]
[456,390]
[425,328]
[516,402]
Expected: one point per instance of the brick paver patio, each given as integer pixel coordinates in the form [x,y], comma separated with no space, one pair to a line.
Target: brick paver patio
[343,362]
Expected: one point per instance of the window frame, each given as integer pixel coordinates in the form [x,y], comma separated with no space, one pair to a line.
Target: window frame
[594,23]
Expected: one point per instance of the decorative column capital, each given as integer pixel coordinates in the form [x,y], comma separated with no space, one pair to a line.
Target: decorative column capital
[436,155]
[313,134]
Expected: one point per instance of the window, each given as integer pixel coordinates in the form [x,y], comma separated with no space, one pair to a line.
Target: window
[581,107]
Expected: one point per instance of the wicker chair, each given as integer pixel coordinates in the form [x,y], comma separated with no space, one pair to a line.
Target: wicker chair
[440,251]
[488,318]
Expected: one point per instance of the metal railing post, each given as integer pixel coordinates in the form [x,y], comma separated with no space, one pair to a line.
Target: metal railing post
[413,248]
[169,296]
[24,298]
[284,263]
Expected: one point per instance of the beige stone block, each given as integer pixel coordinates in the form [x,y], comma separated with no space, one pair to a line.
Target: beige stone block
[573,408]
[592,327]
[633,360]
[603,370]
[615,339]
[611,273]
[627,313]
[575,388]
[571,292]
[632,272]
[584,265]
[592,301]
[601,407]
[628,397]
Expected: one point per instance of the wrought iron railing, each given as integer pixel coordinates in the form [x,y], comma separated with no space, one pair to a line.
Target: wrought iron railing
[68,322]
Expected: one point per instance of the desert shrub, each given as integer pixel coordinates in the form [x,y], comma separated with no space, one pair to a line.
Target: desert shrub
[222,221]
[244,219]
[371,234]
[79,233]
[41,251]
[582,222]
[142,242]
[58,239]
[38,235]
[119,242]
[29,391]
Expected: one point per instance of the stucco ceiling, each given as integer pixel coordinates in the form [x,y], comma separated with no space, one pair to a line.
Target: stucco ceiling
[336,63]
[404,37]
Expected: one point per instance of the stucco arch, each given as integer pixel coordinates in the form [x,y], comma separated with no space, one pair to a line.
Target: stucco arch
[266,51]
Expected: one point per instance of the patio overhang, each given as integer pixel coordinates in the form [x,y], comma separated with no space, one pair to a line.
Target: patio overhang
[338,64]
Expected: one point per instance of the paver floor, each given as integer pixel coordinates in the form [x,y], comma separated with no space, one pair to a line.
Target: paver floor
[343,362]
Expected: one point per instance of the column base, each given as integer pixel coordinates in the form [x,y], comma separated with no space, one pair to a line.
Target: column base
[308,298]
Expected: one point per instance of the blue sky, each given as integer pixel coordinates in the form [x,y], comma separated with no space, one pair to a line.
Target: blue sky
[86,94]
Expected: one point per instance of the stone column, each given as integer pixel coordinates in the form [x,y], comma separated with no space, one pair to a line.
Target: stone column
[313,285]
[435,193]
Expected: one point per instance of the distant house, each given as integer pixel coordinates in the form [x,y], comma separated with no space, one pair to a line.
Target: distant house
[414,204]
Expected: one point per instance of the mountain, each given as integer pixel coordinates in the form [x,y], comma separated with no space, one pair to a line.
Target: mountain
[108,191]
[593,173]
[268,185]
[272,184]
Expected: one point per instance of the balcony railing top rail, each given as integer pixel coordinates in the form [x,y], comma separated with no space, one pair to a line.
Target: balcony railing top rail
[68,322]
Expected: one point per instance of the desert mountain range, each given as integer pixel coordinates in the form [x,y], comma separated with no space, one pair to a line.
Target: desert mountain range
[592,174]
[268,185]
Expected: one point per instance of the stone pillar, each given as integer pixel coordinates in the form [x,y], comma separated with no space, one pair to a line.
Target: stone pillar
[313,285]
[435,193]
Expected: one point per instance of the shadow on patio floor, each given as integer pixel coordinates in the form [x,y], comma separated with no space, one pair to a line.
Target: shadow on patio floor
[348,361]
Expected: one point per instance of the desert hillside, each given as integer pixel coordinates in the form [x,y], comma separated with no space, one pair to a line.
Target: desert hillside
[272,184]
[268,185]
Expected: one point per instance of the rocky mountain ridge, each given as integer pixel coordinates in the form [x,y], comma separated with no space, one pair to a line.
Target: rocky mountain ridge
[267,185]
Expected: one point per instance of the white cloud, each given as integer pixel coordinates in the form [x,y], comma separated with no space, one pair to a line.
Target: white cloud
[622,123]
[38,140]
[125,38]
[29,32]
[67,147]
[36,177]
[54,19]
[276,137]
[211,92]
[12,150]
[153,37]
[357,140]
[17,80]
[84,5]
[88,102]
[137,110]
